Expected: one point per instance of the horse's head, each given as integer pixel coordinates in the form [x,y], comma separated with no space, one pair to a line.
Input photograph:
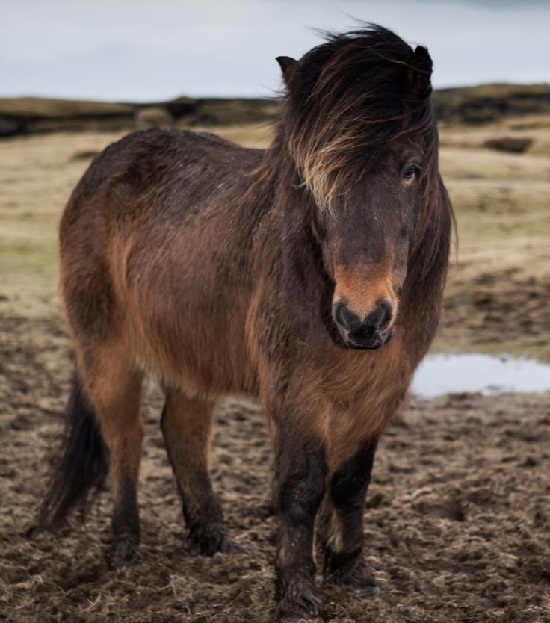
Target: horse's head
[359,128]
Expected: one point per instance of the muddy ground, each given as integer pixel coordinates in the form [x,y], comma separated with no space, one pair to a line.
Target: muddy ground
[457,525]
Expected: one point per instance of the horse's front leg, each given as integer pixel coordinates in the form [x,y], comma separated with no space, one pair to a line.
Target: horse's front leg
[300,472]
[341,522]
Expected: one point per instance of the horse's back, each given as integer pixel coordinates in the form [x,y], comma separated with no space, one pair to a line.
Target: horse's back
[167,163]
[155,185]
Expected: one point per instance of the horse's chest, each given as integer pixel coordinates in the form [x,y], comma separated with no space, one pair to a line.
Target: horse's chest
[374,381]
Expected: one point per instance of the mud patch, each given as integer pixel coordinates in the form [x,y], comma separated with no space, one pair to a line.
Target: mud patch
[456,526]
[501,311]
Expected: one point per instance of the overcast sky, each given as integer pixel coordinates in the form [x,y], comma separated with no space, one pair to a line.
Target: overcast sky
[158,49]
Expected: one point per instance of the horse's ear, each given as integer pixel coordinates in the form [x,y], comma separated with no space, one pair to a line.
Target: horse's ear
[419,74]
[287,65]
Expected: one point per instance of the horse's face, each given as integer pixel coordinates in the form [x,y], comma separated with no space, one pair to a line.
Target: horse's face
[365,238]
[357,124]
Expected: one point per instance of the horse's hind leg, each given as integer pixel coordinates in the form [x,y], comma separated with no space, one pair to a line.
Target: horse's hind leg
[114,389]
[187,427]
[340,530]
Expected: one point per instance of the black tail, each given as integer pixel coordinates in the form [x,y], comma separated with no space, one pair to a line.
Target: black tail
[83,463]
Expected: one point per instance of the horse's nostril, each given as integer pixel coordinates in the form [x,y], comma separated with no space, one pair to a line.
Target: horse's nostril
[346,318]
[381,316]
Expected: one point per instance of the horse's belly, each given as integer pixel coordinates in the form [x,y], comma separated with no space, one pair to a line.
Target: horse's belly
[201,357]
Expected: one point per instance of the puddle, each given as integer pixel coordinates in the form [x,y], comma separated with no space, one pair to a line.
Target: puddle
[443,374]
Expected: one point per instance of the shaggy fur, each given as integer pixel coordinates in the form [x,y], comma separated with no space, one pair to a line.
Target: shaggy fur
[310,274]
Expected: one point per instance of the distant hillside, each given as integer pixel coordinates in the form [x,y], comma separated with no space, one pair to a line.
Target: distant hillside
[35,115]
[491,102]
[32,115]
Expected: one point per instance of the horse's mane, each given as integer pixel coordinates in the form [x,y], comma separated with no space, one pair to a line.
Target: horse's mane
[348,99]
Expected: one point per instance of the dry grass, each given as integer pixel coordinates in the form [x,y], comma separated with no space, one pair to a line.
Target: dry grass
[536,128]
[256,135]
[36,177]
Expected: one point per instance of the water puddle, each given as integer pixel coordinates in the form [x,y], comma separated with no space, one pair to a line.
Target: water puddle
[443,374]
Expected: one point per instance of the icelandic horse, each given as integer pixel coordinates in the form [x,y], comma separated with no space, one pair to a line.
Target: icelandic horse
[309,274]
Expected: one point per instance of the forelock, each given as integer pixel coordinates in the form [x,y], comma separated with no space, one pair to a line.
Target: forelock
[348,98]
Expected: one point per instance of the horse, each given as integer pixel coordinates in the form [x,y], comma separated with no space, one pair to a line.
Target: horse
[309,275]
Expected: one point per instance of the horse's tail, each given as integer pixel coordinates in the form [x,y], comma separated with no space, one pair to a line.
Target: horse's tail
[83,463]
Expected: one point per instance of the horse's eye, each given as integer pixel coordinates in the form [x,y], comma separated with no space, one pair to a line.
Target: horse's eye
[411,173]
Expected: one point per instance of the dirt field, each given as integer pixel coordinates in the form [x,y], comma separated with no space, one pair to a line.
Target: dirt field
[458,518]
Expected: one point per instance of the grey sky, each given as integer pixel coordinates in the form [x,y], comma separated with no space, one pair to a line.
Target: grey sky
[137,50]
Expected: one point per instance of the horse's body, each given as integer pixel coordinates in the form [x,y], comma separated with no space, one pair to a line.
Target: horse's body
[182,270]
[278,273]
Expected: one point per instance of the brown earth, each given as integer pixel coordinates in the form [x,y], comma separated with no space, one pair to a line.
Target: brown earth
[498,311]
[457,525]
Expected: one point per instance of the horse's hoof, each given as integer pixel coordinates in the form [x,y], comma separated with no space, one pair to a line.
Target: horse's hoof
[291,610]
[230,546]
[210,542]
[356,574]
[298,606]
[367,591]
[125,552]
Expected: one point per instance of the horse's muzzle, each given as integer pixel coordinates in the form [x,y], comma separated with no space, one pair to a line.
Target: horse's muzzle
[369,333]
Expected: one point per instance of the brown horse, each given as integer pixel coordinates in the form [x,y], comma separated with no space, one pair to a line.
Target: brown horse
[309,274]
